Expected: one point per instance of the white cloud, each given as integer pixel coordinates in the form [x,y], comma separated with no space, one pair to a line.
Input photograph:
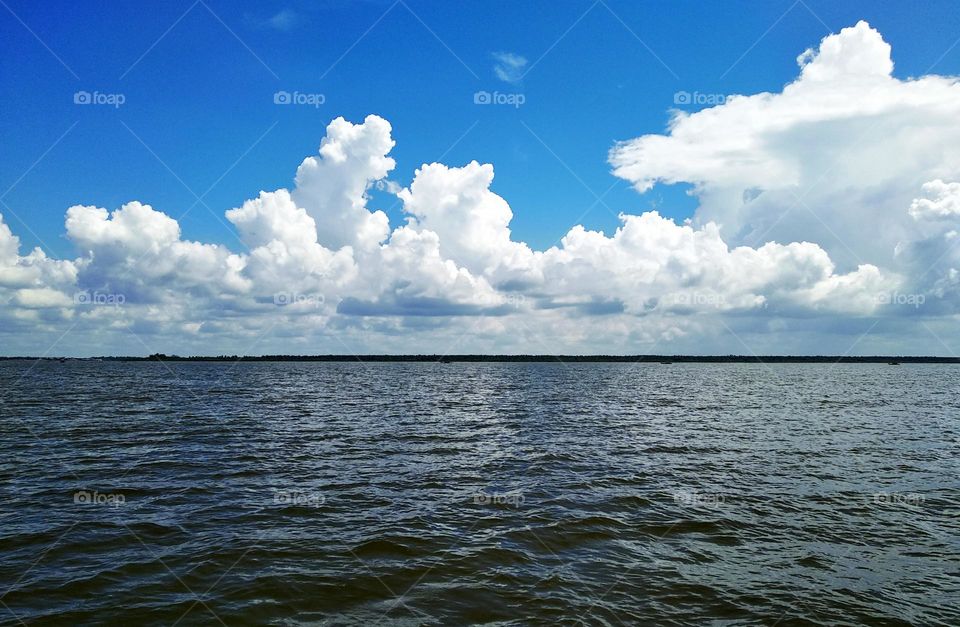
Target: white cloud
[509,67]
[333,186]
[285,256]
[136,251]
[41,298]
[33,281]
[858,53]
[843,146]
[940,201]
[283,20]
[816,205]
[473,223]
[651,264]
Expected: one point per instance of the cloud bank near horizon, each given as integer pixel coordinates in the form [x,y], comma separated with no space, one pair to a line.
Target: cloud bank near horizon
[830,203]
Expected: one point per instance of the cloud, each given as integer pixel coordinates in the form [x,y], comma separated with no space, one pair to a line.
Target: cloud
[509,67]
[137,252]
[844,145]
[940,201]
[472,222]
[829,204]
[285,255]
[333,186]
[283,20]
[33,281]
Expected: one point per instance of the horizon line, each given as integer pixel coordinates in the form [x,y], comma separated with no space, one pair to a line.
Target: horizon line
[518,357]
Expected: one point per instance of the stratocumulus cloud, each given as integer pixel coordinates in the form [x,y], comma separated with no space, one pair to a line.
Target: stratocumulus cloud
[786,183]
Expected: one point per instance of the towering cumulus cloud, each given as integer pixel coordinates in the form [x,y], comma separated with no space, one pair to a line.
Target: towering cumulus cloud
[830,205]
[332,187]
[843,146]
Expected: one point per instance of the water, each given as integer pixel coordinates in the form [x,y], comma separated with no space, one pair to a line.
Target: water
[406,494]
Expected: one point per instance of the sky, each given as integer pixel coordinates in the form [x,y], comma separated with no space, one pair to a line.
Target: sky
[364,176]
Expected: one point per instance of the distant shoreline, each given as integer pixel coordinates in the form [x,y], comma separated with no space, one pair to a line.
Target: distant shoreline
[654,359]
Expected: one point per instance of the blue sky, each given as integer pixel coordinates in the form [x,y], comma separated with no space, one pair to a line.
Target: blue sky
[200,96]
[691,177]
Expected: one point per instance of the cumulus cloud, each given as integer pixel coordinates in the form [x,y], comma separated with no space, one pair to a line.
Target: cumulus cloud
[137,251]
[654,265]
[472,222]
[820,205]
[333,186]
[940,201]
[847,155]
[285,253]
[33,281]
[844,145]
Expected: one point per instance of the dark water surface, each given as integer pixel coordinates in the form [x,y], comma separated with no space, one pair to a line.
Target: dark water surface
[406,494]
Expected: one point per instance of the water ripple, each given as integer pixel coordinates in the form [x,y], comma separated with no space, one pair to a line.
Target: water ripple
[497,494]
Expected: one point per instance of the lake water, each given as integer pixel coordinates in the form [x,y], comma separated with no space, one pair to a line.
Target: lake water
[485,493]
